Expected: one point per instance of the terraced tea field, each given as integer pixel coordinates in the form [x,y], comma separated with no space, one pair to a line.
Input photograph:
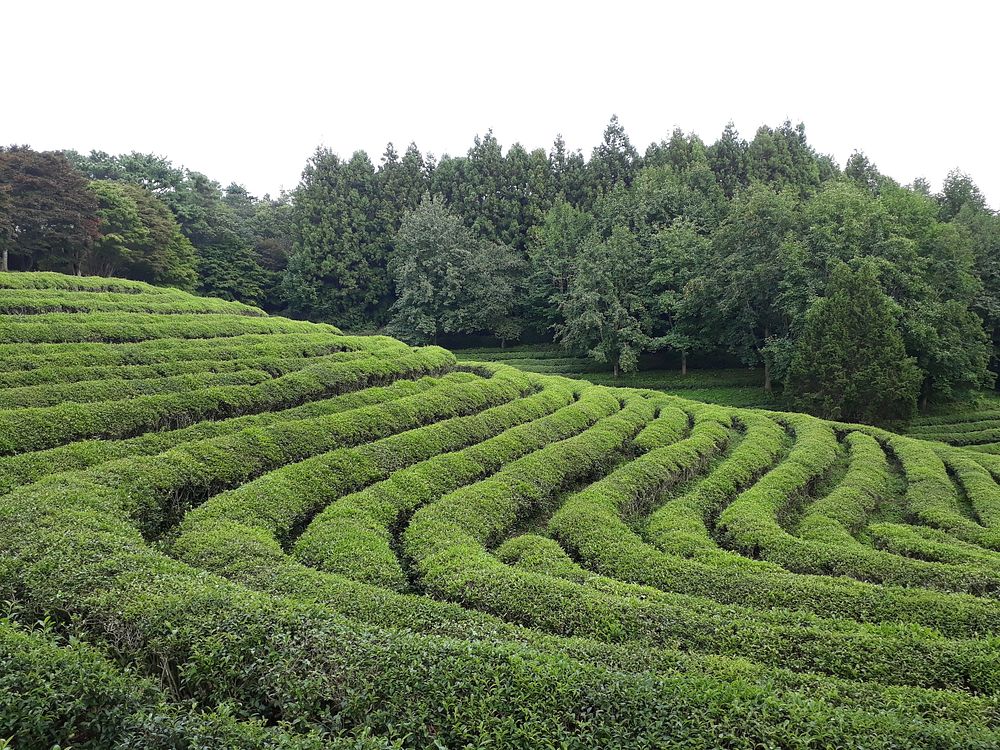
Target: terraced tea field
[220,529]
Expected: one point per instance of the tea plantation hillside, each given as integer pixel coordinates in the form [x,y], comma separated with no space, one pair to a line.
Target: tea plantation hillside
[220,529]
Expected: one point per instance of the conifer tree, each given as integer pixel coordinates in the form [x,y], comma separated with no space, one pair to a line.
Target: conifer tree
[337,269]
[850,362]
[614,161]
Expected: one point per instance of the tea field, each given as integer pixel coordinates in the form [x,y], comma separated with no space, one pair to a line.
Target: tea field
[222,529]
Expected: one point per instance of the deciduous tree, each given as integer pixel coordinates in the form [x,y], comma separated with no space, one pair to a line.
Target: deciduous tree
[53,214]
[605,313]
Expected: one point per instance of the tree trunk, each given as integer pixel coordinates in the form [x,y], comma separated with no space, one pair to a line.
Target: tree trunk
[767,365]
[3,259]
[614,369]
[684,363]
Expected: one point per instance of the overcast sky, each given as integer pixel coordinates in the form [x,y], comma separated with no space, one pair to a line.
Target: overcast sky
[245,91]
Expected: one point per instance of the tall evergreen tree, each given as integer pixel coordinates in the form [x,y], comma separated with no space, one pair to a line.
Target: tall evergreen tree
[569,174]
[530,185]
[783,158]
[337,270]
[402,182]
[552,251]
[957,192]
[850,362]
[678,152]
[860,170]
[729,160]
[615,161]
[227,266]
[6,225]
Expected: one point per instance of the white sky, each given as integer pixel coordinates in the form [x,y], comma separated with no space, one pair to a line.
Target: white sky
[245,91]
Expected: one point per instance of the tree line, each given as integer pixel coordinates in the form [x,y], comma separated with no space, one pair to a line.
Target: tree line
[763,250]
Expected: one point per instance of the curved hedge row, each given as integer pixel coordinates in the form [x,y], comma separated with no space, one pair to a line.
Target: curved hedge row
[18,358]
[32,466]
[114,389]
[128,327]
[18,302]
[354,535]
[63,376]
[681,525]
[46,427]
[50,280]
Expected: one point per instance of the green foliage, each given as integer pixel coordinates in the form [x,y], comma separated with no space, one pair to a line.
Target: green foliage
[740,296]
[139,238]
[850,362]
[782,158]
[605,309]
[448,281]
[957,193]
[498,196]
[121,229]
[337,268]
[52,213]
[570,177]
[740,238]
[863,173]
[686,193]
[552,250]
[729,159]
[218,238]
[615,161]
[680,252]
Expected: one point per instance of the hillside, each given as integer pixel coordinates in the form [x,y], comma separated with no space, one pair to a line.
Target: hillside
[222,529]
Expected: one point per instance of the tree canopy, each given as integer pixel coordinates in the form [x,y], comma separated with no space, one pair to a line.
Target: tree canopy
[687,249]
